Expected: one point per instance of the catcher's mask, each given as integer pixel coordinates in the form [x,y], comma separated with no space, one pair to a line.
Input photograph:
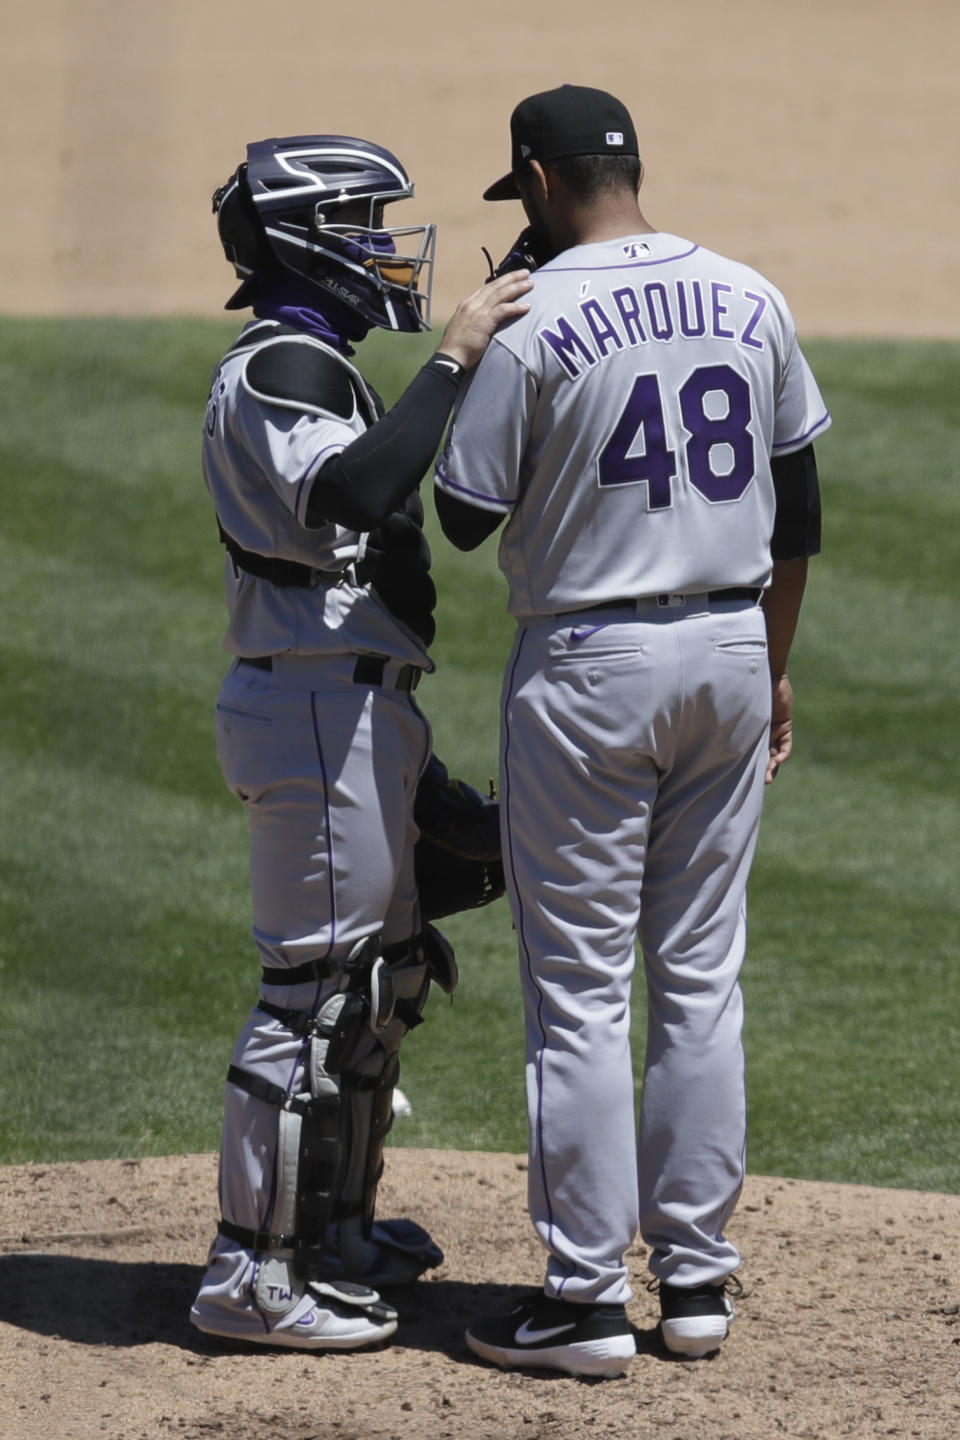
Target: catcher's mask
[314,203]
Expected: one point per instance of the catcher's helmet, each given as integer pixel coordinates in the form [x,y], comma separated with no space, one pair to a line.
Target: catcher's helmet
[286,204]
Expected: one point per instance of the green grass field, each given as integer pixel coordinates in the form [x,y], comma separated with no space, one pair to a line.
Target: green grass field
[125,960]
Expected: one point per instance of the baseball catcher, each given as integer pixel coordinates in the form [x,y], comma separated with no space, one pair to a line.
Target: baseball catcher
[314,484]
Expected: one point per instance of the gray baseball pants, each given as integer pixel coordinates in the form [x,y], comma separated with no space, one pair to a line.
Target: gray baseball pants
[632,772]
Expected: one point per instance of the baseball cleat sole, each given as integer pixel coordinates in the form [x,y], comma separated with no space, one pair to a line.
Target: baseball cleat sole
[547,1334]
[694,1322]
[694,1338]
[330,1316]
[605,1360]
[296,1338]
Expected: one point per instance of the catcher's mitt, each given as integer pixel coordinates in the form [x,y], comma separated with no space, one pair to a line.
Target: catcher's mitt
[457,857]
[522,255]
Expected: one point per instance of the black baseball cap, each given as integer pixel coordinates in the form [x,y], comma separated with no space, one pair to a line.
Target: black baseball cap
[571,120]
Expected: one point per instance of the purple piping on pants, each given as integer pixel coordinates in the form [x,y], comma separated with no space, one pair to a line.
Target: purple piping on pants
[272,1199]
[327,825]
[521,937]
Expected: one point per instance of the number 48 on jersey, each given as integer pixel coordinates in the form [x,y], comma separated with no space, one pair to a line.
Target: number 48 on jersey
[720,456]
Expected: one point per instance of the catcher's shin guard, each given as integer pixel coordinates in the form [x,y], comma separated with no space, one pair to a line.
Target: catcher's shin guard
[315,1123]
[368,1077]
[392,1251]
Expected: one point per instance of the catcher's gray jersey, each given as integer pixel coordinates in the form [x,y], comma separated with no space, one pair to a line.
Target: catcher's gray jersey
[260,455]
[684,375]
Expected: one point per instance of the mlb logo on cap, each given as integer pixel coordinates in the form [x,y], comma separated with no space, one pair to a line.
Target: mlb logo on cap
[570,120]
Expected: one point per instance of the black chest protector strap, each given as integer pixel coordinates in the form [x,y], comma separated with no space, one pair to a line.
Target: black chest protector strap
[287,573]
[279,572]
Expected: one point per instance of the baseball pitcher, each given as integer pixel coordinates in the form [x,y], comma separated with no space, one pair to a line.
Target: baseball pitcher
[644,435]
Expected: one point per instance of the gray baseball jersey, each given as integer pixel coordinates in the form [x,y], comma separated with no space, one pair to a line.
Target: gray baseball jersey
[259,457]
[626,425]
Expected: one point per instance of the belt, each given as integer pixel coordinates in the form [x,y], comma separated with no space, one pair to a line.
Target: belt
[733,592]
[369,670]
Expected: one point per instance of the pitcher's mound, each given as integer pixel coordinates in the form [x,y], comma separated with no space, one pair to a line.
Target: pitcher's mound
[848,1325]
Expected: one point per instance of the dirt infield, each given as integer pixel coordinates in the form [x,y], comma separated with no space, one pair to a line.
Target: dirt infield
[848,1326]
[815,141]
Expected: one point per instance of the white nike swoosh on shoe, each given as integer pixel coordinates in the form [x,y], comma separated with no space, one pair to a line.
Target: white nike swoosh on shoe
[526,1336]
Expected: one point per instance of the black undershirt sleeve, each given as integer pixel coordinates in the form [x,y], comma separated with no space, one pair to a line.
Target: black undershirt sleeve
[796,527]
[376,472]
[465,526]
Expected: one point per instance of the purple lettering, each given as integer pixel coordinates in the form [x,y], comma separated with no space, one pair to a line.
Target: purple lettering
[747,337]
[661,325]
[566,344]
[600,328]
[700,325]
[719,309]
[629,306]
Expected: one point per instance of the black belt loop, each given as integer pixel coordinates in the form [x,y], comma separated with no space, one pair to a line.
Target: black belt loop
[370,670]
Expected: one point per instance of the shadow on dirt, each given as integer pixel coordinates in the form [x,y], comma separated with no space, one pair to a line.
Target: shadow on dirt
[122,1303]
[98,1302]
